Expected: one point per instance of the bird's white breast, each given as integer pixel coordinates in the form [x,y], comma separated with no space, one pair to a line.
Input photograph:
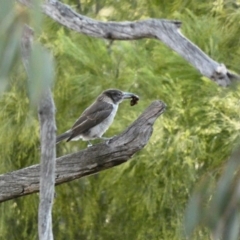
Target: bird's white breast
[101,128]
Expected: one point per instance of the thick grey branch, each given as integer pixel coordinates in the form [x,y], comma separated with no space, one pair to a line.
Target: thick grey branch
[88,161]
[46,114]
[164,30]
[48,148]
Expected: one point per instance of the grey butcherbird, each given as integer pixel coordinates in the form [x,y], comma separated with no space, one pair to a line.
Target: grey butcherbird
[97,118]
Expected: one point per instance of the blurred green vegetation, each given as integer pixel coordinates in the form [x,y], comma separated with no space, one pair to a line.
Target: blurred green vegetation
[145,198]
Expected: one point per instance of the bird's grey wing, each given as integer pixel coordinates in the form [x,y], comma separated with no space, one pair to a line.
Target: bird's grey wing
[91,117]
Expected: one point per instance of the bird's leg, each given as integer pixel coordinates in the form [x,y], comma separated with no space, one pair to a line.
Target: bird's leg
[89,144]
[107,139]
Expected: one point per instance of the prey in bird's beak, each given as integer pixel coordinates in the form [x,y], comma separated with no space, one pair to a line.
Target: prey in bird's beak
[134,98]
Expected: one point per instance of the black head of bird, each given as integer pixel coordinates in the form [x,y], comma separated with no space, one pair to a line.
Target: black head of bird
[97,118]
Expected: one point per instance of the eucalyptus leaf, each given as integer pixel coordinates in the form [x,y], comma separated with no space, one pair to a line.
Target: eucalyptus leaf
[40,71]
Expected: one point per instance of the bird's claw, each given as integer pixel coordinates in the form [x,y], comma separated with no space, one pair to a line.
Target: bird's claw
[89,144]
[109,139]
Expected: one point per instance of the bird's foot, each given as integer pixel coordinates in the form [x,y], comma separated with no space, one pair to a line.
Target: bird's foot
[107,139]
[89,144]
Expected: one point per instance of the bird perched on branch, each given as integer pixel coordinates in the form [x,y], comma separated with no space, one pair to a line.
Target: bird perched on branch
[98,117]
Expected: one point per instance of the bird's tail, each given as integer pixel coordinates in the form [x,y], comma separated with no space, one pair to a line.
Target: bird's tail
[63,136]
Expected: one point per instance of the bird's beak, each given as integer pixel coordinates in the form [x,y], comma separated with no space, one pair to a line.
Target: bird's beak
[127,95]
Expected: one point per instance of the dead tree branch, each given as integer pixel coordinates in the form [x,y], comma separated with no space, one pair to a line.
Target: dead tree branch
[88,161]
[164,30]
[46,112]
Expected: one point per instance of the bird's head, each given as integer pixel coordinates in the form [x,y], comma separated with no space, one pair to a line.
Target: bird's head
[116,96]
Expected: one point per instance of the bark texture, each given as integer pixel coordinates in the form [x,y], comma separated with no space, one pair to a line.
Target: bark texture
[88,161]
[46,114]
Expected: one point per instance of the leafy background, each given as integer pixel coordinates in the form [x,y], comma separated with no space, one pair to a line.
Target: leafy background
[147,197]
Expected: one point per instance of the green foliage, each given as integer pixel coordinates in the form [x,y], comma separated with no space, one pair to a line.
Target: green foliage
[216,205]
[10,30]
[145,198]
